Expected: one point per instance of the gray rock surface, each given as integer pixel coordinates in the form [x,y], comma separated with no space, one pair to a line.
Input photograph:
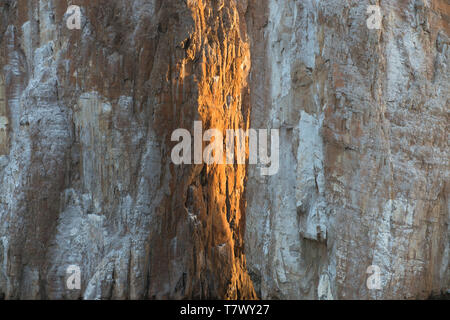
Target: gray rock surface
[363,120]
[86,177]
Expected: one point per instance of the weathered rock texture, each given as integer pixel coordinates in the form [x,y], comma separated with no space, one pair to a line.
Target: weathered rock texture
[363,119]
[86,178]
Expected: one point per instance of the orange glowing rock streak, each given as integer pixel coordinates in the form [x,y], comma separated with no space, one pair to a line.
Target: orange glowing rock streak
[220,36]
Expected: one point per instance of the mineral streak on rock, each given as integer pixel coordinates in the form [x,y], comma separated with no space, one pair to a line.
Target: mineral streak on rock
[86,176]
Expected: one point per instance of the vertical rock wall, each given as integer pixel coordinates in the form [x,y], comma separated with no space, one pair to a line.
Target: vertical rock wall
[363,120]
[86,176]
[85,128]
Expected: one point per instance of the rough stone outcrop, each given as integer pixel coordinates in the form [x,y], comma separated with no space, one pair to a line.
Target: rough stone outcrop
[86,173]
[363,120]
[86,176]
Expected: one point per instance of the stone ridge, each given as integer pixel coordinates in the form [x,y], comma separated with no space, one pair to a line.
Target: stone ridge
[86,176]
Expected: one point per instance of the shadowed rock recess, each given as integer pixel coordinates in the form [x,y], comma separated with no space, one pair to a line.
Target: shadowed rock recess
[86,176]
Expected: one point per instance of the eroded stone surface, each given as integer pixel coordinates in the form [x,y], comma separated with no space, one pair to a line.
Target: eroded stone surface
[363,119]
[86,177]
[86,173]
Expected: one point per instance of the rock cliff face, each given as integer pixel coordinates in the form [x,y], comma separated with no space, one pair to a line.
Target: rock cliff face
[86,176]
[363,119]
